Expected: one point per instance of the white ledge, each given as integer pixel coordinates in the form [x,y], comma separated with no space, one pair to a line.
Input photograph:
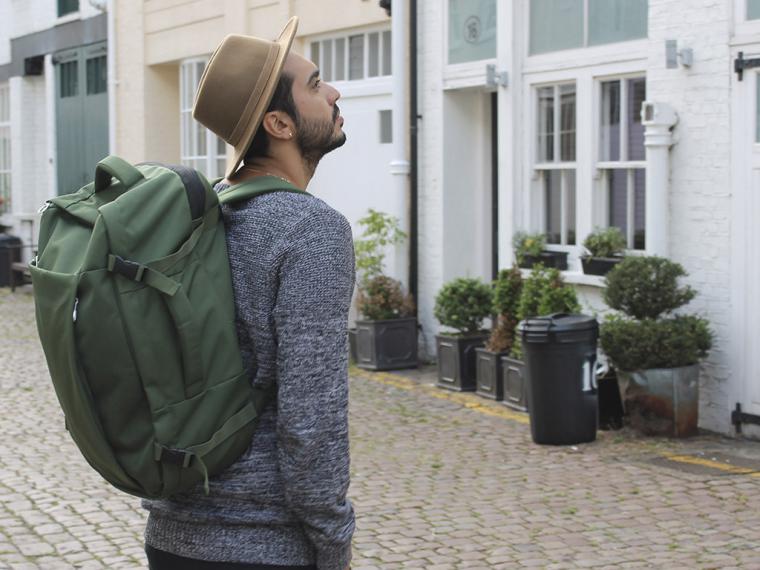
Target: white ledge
[576,278]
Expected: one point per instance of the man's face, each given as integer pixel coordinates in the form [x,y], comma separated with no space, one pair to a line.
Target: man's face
[319,126]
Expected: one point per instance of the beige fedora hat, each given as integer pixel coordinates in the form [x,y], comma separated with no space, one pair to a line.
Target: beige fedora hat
[237,86]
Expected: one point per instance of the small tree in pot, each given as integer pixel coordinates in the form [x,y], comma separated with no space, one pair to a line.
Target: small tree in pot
[605,247]
[530,250]
[461,304]
[386,336]
[506,297]
[655,352]
[544,292]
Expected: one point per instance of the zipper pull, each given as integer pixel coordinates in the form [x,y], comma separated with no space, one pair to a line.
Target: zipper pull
[44,207]
[76,304]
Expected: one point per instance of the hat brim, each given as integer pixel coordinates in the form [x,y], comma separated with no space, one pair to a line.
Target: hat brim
[285,41]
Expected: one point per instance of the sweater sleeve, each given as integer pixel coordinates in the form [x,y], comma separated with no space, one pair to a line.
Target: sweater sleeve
[316,280]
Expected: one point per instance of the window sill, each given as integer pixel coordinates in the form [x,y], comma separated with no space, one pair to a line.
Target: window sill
[67,18]
[576,278]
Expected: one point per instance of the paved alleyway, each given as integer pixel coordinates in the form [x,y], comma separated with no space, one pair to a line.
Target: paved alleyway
[439,481]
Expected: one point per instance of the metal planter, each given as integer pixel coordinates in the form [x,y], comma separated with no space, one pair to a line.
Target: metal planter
[456,361]
[386,345]
[514,383]
[662,401]
[488,374]
[599,265]
[556,259]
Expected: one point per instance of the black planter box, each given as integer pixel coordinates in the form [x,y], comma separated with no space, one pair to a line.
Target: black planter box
[352,346]
[599,265]
[488,374]
[386,345]
[456,361]
[513,381]
[610,405]
[556,259]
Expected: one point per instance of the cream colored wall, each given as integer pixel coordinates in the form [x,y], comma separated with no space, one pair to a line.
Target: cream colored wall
[154,36]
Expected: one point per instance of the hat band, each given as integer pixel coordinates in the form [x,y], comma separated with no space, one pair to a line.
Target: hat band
[253,100]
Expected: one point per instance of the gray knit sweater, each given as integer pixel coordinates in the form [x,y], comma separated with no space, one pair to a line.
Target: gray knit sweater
[284,501]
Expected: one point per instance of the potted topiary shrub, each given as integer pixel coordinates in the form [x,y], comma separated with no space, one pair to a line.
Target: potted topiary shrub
[656,353]
[544,292]
[530,250]
[461,304]
[605,248]
[506,297]
[385,337]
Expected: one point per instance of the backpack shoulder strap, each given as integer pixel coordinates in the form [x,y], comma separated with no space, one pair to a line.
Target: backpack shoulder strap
[256,187]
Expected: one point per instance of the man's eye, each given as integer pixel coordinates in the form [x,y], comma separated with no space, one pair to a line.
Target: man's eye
[317,83]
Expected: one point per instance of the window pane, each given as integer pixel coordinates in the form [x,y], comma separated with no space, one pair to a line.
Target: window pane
[757,109]
[67,7]
[356,57]
[616,20]
[472,30]
[567,122]
[221,166]
[374,54]
[315,53]
[639,209]
[221,148]
[96,75]
[618,199]
[5,112]
[387,57]
[386,127]
[200,137]
[69,79]
[753,9]
[340,59]
[545,124]
[637,93]
[553,187]
[555,25]
[609,137]
[326,71]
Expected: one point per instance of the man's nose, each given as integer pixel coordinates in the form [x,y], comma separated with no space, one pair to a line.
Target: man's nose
[334,95]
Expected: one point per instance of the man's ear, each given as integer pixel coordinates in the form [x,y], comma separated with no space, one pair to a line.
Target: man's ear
[278,125]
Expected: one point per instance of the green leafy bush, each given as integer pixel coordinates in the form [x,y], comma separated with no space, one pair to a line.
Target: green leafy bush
[527,244]
[506,298]
[544,292]
[605,242]
[662,343]
[646,287]
[462,304]
[381,298]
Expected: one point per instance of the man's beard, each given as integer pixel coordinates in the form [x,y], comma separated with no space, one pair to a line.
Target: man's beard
[316,138]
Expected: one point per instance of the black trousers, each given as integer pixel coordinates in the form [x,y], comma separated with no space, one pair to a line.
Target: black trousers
[161,560]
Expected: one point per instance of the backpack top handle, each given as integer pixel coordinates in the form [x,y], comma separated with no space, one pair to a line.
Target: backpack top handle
[115,167]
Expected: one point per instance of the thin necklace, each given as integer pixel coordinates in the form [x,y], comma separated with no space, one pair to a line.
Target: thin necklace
[246,167]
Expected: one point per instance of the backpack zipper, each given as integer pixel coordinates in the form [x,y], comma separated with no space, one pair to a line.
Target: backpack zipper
[76,304]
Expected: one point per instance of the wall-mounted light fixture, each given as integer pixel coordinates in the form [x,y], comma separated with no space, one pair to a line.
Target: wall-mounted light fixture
[495,78]
[674,56]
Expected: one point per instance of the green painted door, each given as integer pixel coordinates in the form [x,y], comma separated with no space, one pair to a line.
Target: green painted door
[81,114]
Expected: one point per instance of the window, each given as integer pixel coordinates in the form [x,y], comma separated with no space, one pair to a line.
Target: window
[753,9]
[386,127]
[96,75]
[199,148]
[69,77]
[622,156]
[353,57]
[5,149]
[555,160]
[67,7]
[757,109]
[565,24]
[472,30]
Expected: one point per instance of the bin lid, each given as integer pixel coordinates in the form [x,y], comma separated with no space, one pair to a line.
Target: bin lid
[558,323]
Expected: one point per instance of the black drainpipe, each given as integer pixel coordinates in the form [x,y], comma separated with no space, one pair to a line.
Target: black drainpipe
[413,142]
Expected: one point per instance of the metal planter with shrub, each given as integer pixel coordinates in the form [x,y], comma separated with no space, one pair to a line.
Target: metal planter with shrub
[605,247]
[514,383]
[461,304]
[530,250]
[386,345]
[655,352]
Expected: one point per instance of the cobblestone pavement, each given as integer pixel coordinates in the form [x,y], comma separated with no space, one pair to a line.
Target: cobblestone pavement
[440,480]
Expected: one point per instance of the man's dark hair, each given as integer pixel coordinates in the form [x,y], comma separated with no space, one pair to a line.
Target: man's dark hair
[282,100]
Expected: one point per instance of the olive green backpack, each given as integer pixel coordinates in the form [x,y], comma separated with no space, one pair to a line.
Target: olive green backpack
[136,316]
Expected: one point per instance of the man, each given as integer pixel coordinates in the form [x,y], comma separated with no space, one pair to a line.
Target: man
[283,503]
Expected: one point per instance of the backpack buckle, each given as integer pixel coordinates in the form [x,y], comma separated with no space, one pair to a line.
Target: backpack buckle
[173,456]
[129,269]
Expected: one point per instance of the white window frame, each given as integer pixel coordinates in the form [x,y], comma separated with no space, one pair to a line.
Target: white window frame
[745,31]
[606,62]
[186,158]
[366,31]
[604,168]
[5,126]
